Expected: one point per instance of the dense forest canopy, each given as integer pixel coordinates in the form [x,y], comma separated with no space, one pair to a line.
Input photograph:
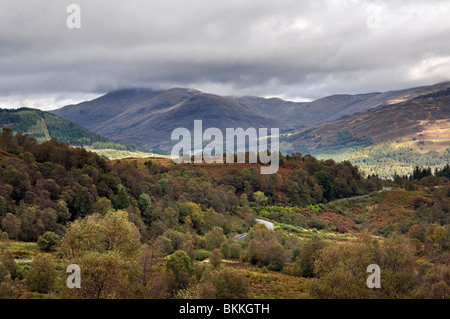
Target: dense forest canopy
[154,224]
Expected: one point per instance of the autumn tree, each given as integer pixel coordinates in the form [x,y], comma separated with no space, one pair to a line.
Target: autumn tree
[107,250]
[12,225]
[123,197]
[340,271]
[215,258]
[180,265]
[102,206]
[144,202]
[42,275]
[48,241]
[214,238]
[231,284]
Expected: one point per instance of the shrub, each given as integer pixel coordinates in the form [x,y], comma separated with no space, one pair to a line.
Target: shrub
[202,254]
[180,265]
[235,251]
[48,241]
[215,258]
[231,284]
[225,250]
[42,275]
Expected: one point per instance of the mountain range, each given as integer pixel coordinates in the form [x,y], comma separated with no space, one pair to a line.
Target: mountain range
[146,117]
[418,114]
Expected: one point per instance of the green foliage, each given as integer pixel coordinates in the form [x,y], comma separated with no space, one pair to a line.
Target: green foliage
[202,254]
[50,189]
[215,258]
[42,275]
[144,202]
[214,238]
[326,180]
[260,198]
[180,265]
[45,126]
[308,255]
[163,185]
[123,197]
[48,241]
[225,250]
[103,206]
[389,160]
[231,284]
[83,203]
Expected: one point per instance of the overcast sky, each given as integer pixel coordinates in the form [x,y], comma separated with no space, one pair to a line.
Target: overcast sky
[297,50]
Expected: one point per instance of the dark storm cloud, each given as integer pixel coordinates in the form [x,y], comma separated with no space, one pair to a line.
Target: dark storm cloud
[292,49]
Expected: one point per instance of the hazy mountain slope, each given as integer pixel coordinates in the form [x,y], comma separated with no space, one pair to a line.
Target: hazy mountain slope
[91,114]
[303,114]
[423,117]
[146,117]
[149,122]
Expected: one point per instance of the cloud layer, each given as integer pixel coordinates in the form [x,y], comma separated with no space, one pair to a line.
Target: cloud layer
[292,49]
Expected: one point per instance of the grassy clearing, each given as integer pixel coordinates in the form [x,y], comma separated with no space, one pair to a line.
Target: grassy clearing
[23,250]
[116,154]
[272,285]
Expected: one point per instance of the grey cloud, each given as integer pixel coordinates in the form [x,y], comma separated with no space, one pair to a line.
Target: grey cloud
[295,49]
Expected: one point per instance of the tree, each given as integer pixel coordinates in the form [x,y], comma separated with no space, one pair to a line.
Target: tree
[102,206]
[83,203]
[2,206]
[48,241]
[225,250]
[275,256]
[180,265]
[215,258]
[7,265]
[340,271]
[101,234]
[12,225]
[62,211]
[231,284]
[107,248]
[214,238]
[307,256]
[260,198]
[440,236]
[106,275]
[396,258]
[144,202]
[326,180]
[235,251]
[163,185]
[123,197]
[42,275]
[6,139]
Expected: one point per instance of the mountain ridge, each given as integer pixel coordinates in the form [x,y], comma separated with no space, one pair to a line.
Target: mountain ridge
[146,117]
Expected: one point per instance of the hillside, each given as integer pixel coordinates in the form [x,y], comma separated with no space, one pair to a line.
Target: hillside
[417,125]
[151,229]
[147,118]
[304,114]
[44,126]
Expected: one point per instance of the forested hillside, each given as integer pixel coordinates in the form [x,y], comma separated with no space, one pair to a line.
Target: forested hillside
[44,126]
[152,229]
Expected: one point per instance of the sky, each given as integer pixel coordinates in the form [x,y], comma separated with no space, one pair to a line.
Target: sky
[296,50]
